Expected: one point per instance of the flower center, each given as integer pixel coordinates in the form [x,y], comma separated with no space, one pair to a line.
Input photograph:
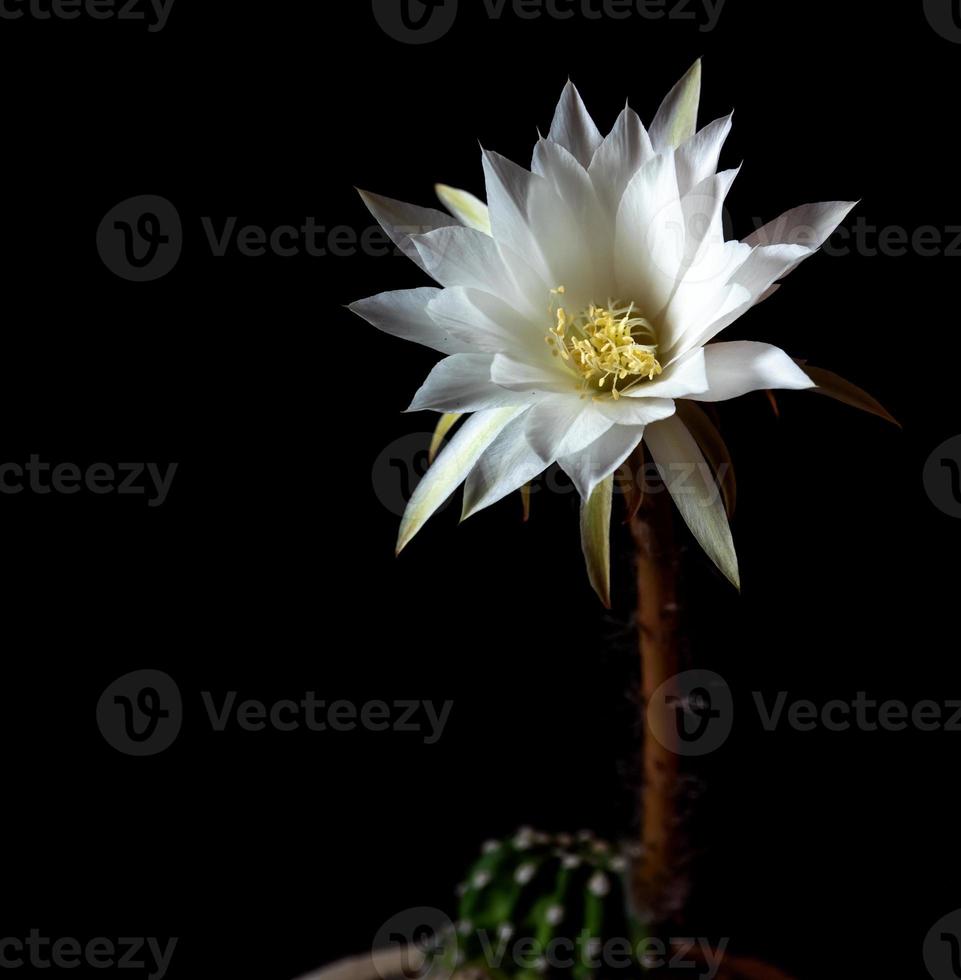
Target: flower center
[605,343]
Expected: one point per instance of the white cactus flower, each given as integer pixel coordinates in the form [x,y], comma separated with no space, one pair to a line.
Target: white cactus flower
[580,305]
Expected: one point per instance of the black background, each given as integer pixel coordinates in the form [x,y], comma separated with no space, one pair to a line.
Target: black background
[270,570]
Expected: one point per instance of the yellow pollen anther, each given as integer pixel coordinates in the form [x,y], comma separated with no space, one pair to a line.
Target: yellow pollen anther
[606,343]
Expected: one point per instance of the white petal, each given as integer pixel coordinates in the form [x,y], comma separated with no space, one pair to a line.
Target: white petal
[451,468]
[684,377]
[404,314]
[584,266]
[676,120]
[506,466]
[469,209]
[556,234]
[401,221]
[462,383]
[624,151]
[601,458]
[531,375]
[710,263]
[635,411]
[767,264]
[534,221]
[461,256]
[650,236]
[560,425]
[573,127]
[734,369]
[750,283]
[733,302]
[484,321]
[697,157]
[690,482]
[809,225]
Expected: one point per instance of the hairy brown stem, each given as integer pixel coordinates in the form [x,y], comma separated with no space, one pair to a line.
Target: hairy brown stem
[658,884]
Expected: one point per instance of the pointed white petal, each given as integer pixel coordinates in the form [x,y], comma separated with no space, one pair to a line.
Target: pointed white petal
[676,120]
[741,366]
[451,468]
[697,157]
[596,538]
[462,383]
[508,464]
[467,208]
[404,314]
[624,151]
[401,221]
[530,218]
[584,252]
[688,478]
[650,242]
[484,321]
[751,283]
[561,425]
[601,458]
[767,264]
[573,127]
[553,233]
[460,256]
[685,377]
[635,411]
[531,375]
[809,225]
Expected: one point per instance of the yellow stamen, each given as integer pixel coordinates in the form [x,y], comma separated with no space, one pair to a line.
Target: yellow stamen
[606,342]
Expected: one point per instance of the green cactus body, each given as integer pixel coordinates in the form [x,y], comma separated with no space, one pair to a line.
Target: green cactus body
[537,905]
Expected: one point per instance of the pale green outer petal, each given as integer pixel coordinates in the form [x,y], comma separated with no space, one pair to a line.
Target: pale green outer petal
[444,425]
[596,538]
[688,478]
[452,467]
[466,207]
[676,120]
